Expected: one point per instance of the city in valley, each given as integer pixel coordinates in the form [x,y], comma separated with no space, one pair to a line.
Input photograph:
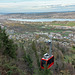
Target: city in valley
[32,35]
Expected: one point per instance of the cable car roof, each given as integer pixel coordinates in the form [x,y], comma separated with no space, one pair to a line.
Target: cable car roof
[47,57]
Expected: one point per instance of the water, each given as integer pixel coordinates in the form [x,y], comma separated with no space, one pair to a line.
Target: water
[42,20]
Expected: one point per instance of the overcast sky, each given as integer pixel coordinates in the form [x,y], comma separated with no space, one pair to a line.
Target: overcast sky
[36,5]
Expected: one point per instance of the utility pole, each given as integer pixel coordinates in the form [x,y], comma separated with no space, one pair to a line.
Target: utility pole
[50,42]
[50,49]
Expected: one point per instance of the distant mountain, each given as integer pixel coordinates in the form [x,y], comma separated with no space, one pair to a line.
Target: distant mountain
[35,12]
[40,15]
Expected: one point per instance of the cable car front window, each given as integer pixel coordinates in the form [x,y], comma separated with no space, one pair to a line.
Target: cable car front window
[43,63]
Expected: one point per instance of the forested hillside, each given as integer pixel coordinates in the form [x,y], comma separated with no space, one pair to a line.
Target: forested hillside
[23,58]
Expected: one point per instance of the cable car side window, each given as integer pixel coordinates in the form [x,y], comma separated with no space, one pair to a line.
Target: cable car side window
[43,63]
[50,61]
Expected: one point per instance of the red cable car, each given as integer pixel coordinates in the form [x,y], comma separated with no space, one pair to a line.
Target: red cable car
[47,60]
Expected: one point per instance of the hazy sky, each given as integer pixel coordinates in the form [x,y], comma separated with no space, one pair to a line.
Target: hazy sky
[36,5]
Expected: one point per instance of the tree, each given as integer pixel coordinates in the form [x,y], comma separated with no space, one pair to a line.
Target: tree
[29,62]
[35,51]
[9,48]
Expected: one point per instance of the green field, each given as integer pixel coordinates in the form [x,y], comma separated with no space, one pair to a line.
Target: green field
[64,23]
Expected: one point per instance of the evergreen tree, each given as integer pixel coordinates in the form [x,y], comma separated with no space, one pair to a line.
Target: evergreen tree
[35,51]
[7,46]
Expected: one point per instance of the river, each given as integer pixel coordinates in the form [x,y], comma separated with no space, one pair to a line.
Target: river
[42,20]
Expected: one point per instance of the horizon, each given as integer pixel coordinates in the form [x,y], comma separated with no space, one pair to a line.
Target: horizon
[21,6]
[33,12]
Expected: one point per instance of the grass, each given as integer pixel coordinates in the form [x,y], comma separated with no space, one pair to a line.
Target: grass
[58,24]
[70,24]
[69,58]
[65,33]
[64,23]
[73,50]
